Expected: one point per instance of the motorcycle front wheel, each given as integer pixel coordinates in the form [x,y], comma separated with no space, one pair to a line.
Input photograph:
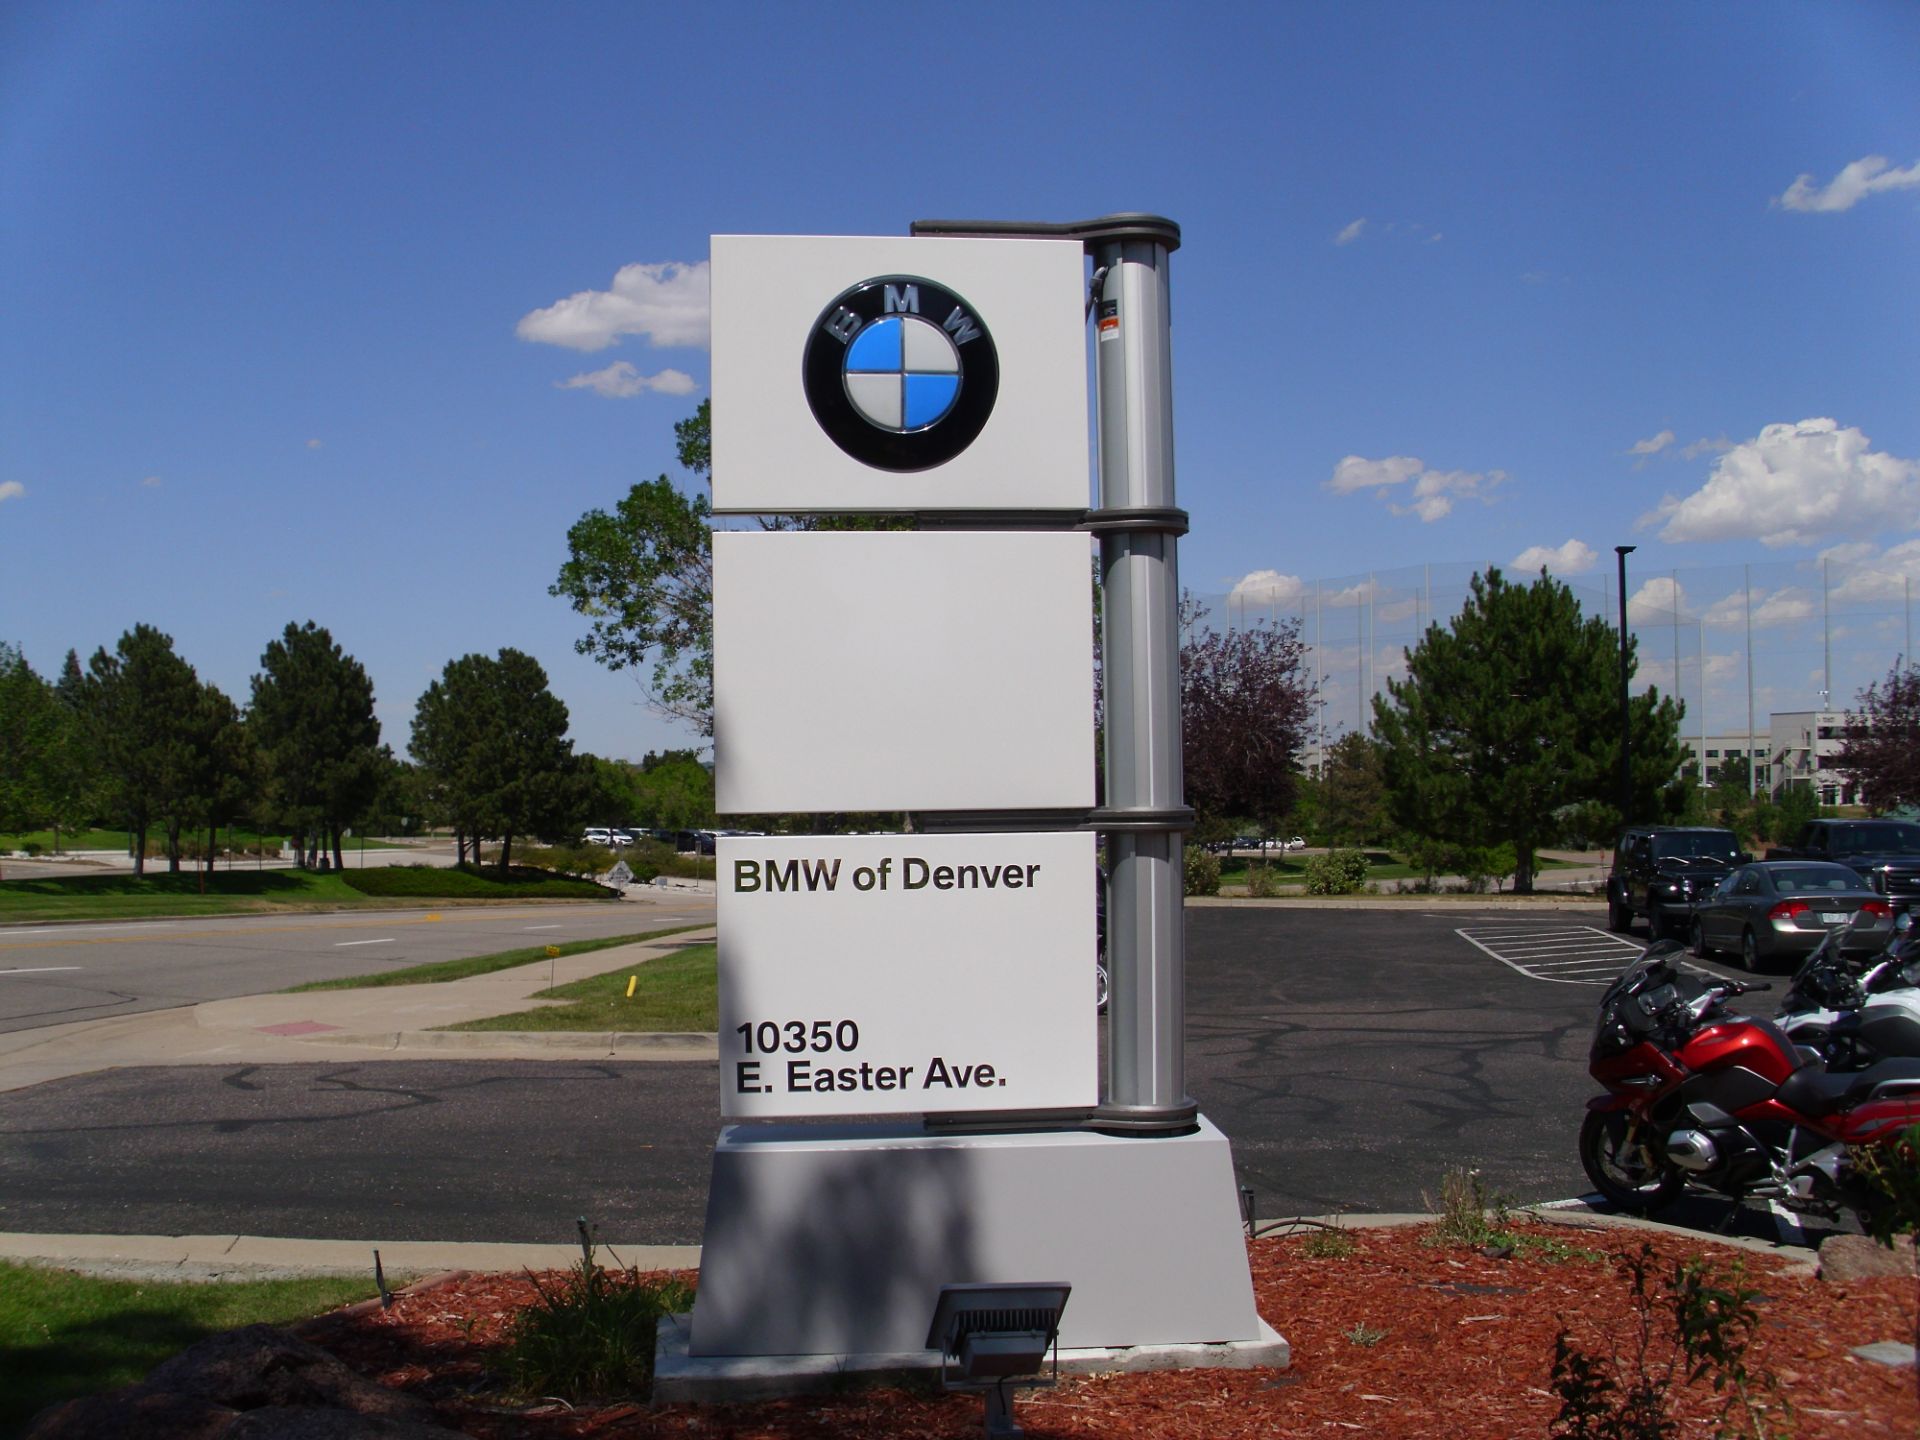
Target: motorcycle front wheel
[1622,1169]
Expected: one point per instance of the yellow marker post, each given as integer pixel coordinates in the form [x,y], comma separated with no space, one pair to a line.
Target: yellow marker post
[632,980]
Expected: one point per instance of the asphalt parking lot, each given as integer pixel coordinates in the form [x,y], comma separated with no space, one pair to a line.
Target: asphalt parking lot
[1352,1056]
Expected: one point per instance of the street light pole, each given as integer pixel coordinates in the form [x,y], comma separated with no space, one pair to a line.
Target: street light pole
[1626,718]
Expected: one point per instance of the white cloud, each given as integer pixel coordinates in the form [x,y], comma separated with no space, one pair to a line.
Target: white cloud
[620,380]
[1796,485]
[1352,232]
[1853,184]
[1778,607]
[11,490]
[667,303]
[1653,444]
[1576,557]
[1434,491]
[1660,598]
[1869,573]
[1265,587]
[152,482]
[1355,473]
[1703,446]
[314,444]
[1722,668]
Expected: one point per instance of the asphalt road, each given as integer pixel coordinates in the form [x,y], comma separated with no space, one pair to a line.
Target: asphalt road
[1351,1056]
[52,975]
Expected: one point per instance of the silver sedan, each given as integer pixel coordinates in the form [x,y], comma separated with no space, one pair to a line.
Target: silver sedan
[1775,910]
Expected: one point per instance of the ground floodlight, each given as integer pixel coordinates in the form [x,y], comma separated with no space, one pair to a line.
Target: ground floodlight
[990,1336]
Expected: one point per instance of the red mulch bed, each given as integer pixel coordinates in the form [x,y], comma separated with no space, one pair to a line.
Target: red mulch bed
[1466,1354]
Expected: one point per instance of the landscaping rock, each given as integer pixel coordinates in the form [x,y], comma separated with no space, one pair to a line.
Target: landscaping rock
[133,1414]
[260,1365]
[258,1383]
[1858,1257]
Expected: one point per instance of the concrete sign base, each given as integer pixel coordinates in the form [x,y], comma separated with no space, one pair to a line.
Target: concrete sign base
[824,1240]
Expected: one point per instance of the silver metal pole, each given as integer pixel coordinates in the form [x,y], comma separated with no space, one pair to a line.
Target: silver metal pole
[1826,643]
[1753,770]
[1146,1015]
[1673,579]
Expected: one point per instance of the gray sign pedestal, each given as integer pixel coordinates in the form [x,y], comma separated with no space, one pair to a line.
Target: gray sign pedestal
[826,1247]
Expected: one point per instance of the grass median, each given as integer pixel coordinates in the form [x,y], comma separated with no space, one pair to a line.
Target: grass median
[64,1334]
[193,893]
[677,993]
[439,971]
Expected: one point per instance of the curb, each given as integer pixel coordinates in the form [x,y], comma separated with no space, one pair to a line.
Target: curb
[665,1045]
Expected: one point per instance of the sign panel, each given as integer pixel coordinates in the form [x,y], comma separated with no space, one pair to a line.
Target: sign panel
[894,670]
[894,375]
[906,974]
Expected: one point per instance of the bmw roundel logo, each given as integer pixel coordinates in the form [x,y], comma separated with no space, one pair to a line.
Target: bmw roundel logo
[901,373]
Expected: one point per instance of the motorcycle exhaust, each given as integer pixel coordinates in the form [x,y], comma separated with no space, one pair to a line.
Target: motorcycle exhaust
[1692,1150]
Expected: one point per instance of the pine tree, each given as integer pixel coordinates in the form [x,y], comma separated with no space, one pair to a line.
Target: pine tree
[1511,715]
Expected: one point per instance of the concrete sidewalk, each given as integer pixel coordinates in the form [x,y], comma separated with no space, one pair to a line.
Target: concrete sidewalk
[388,1022]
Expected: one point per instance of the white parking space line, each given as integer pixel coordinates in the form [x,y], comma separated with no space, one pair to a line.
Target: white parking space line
[1564,955]
[344,944]
[540,927]
[1576,955]
[39,970]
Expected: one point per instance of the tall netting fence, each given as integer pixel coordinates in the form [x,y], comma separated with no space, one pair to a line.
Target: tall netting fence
[1737,644]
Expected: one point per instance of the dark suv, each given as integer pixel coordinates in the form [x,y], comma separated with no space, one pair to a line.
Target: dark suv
[1659,871]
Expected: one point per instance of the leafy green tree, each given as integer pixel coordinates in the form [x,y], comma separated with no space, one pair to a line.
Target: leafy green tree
[1245,705]
[1353,792]
[643,577]
[490,738]
[313,721]
[1511,715]
[676,791]
[1881,752]
[142,712]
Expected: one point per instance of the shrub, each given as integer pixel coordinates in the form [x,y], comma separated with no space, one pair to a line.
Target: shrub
[1263,882]
[1203,872]
[1336,872]
[428,882]
[1709,1321]
[592,1335]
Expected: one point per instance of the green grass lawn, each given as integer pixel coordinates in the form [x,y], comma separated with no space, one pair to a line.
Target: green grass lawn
[63,1334]
[440,970]
[677,992]
[124,896]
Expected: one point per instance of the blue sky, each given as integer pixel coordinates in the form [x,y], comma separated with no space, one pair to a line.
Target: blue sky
[293,293]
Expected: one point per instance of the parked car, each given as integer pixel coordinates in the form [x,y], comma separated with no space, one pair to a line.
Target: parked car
[621,837]
[1297,842]
[1885,853]
[596,835]
[1660,871]
[1775,910]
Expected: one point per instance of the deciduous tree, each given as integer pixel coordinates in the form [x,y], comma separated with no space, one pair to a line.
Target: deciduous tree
[1881,751]
[1245,705]
[1511,714]
[490,739]
[319,740]
[642,574]
[142,712]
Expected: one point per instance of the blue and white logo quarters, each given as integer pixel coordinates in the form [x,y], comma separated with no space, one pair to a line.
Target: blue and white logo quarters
[901,373]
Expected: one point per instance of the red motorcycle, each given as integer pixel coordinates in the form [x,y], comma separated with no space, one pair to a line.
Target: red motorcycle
[1705,1100]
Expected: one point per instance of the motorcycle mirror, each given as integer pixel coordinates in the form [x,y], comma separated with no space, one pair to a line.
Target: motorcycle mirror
[1903,922]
